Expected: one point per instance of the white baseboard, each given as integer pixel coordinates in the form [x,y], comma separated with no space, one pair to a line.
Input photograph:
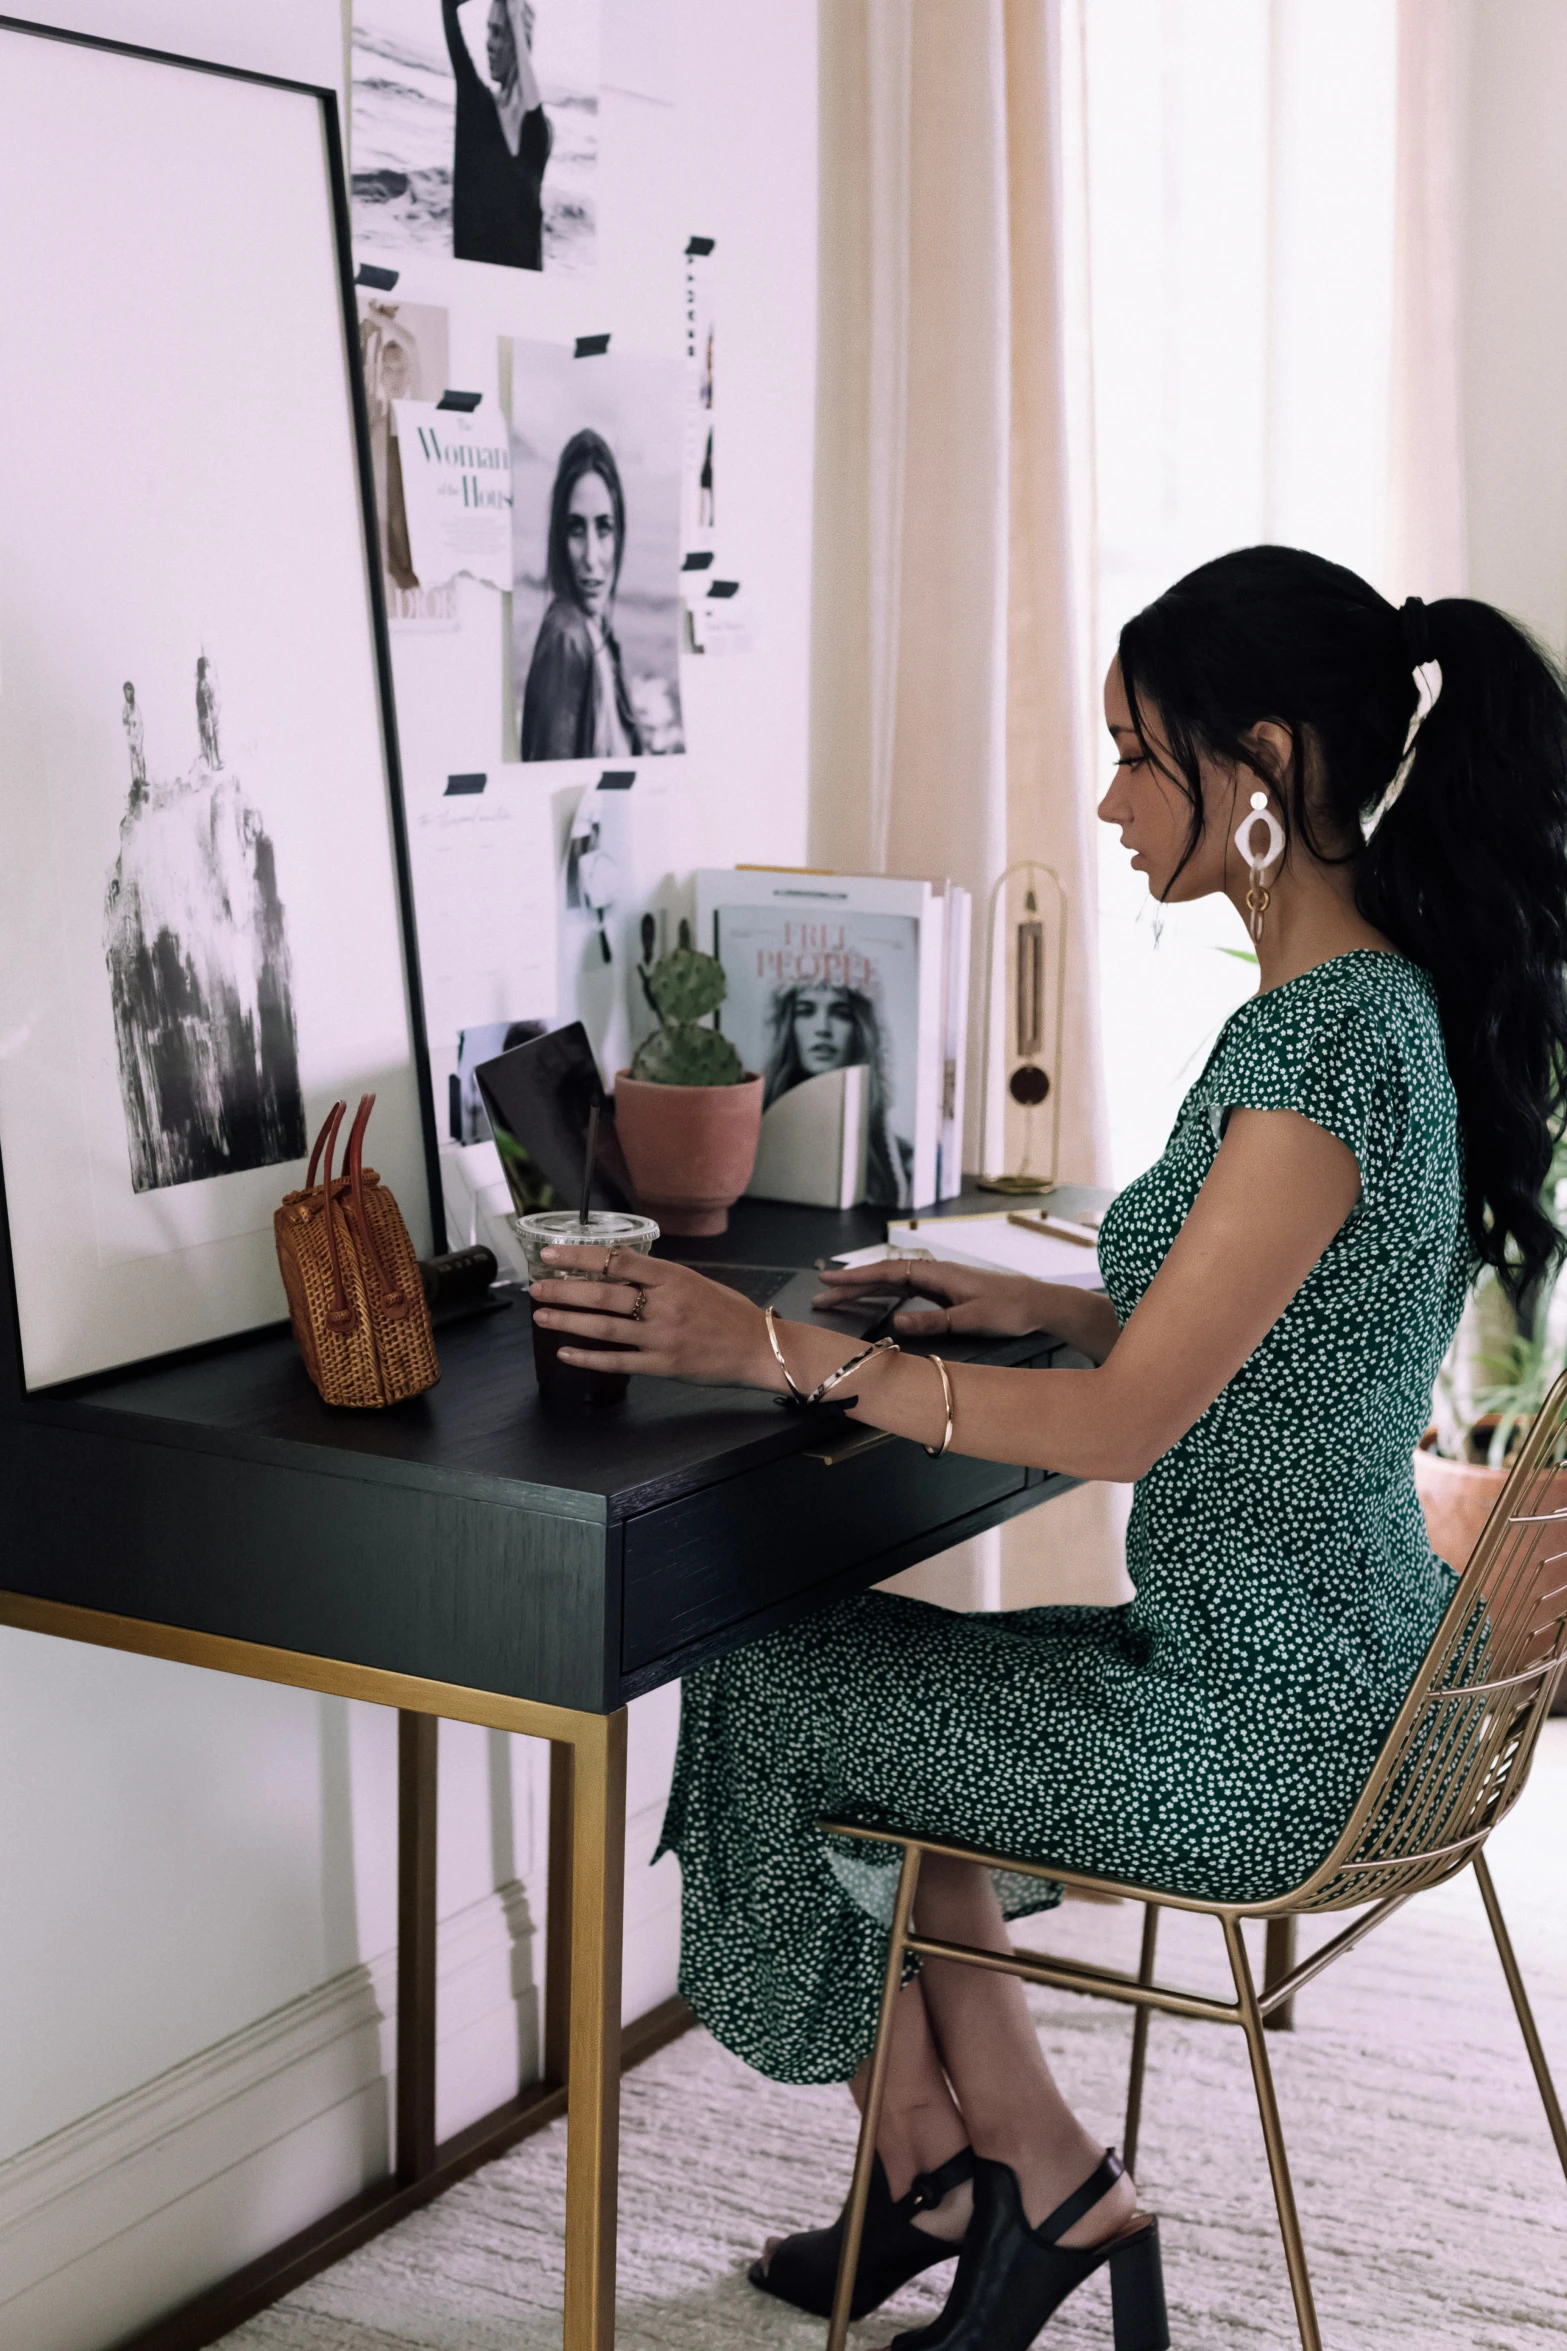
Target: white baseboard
[137,2207]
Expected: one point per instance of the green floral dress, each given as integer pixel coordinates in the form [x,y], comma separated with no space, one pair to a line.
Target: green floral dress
[1214,1734]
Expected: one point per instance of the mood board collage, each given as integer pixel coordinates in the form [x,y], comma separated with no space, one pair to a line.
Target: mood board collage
[592,494]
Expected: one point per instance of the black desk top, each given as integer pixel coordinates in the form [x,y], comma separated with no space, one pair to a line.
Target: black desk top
[482,1424]
[467,1535]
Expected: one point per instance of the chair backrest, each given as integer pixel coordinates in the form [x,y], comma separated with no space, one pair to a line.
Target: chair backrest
[1456,1760]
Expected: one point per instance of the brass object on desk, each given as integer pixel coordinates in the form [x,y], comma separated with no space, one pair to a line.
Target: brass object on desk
[1029,1083]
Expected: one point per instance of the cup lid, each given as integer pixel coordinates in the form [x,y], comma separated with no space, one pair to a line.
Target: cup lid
[604,1224]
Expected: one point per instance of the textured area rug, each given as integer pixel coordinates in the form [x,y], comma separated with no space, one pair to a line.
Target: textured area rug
[1434,2209]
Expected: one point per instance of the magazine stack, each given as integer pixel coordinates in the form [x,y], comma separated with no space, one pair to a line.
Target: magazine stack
[849,993]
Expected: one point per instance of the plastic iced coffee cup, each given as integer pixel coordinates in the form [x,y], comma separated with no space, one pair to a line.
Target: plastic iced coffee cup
[568,1387]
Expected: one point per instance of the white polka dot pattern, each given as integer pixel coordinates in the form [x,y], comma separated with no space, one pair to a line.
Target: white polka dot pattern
[1213,1735]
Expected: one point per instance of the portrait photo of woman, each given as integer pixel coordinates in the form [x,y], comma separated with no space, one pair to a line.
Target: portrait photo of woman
[502,140]
[813,1028]
[575,704]
[595,447]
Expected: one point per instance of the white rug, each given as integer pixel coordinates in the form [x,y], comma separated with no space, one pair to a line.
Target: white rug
[1434,2208]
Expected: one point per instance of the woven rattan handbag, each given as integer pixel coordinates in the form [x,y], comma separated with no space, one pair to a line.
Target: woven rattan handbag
[354,1293]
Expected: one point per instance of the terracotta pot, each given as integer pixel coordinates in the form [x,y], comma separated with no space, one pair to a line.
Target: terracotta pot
[1457,1498]
[690,1149]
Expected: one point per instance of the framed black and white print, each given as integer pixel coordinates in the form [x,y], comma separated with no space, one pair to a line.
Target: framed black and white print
[203,892]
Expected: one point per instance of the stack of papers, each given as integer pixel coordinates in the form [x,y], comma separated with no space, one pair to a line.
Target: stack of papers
[993,1242]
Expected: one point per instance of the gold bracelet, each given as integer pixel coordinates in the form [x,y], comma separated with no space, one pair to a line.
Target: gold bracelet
[796,1395]
[888,1346]
[936,1451]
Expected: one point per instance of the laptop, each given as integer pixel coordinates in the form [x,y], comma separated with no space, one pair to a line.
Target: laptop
[538,1097]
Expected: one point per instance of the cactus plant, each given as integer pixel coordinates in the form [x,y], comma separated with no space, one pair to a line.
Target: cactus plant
[682,987]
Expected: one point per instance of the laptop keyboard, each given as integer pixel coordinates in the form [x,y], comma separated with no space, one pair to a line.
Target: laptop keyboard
[759,1283]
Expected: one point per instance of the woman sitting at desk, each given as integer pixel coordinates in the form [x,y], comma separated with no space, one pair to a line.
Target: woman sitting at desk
[1372,1125]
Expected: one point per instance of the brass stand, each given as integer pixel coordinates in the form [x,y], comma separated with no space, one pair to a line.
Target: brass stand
[585,2051]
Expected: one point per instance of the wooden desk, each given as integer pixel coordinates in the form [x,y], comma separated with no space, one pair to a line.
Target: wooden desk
[464,1555]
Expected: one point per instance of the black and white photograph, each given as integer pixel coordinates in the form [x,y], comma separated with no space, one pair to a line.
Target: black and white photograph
[596,470]
[201,943]
[475,130]
[196,941]
[811,993]
[403,348]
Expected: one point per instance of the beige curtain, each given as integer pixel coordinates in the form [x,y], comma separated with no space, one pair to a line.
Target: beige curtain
[948,695]
[1427,553]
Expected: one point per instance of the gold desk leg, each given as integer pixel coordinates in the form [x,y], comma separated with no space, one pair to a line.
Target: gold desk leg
[591,1854]
[865,2155]
[417,1736]
[1273,2138]
[1278,1957]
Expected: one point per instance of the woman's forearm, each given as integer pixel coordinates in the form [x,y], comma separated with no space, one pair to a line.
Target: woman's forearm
[1071,1422]
[1085,1319]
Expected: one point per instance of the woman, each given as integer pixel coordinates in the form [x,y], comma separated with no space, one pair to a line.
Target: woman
[818,1028]
[575,704]
[1373,1124]
[502,141]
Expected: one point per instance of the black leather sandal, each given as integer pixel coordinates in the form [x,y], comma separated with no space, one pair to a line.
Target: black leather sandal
[1011,2277]
[804,2269]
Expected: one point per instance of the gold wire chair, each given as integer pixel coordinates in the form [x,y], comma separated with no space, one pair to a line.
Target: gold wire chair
[1454,1764]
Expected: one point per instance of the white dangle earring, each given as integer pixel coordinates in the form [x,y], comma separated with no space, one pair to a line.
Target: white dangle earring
[1257,896]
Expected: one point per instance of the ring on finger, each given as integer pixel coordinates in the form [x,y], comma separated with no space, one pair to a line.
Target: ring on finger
[639,1309]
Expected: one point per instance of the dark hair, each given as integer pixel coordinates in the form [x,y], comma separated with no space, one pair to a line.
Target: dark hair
[1465,867]
[585,452]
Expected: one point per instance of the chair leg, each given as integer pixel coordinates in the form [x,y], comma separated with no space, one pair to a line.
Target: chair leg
[1277,1959]
[1273,2137]
[1531,2037]
[865,2156]
[1141,2018]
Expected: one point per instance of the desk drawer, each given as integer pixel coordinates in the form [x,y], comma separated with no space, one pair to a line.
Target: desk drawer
[697,1565]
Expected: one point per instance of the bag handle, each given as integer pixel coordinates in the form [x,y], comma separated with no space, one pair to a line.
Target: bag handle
[393,1301]
[340,1315]
[330,1121]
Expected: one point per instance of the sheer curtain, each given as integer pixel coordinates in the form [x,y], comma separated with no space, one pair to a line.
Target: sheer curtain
[1273,314]
[948,728]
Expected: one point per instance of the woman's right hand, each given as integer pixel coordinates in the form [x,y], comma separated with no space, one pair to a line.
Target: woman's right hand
[1005,1304]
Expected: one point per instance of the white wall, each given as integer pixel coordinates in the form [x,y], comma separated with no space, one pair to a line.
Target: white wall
[1514,308]
[200,1872]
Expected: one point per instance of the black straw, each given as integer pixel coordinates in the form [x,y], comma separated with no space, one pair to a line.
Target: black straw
[587,1167]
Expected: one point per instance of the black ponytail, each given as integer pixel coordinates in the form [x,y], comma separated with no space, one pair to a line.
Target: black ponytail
[1465,867]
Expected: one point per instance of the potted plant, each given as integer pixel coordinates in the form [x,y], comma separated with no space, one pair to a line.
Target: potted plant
[687,1111]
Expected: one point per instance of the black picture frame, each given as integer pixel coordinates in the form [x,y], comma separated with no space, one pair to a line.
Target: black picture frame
[14,1386]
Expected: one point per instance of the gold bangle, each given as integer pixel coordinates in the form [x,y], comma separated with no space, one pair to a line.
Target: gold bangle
[936,1451]
[796,1395]
[888,1346]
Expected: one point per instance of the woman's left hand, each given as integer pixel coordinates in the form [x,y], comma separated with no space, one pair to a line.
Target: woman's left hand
[677,1324]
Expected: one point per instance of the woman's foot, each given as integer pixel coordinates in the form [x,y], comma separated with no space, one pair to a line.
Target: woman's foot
[1013,2272]
[947,2220]
[897,2243]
